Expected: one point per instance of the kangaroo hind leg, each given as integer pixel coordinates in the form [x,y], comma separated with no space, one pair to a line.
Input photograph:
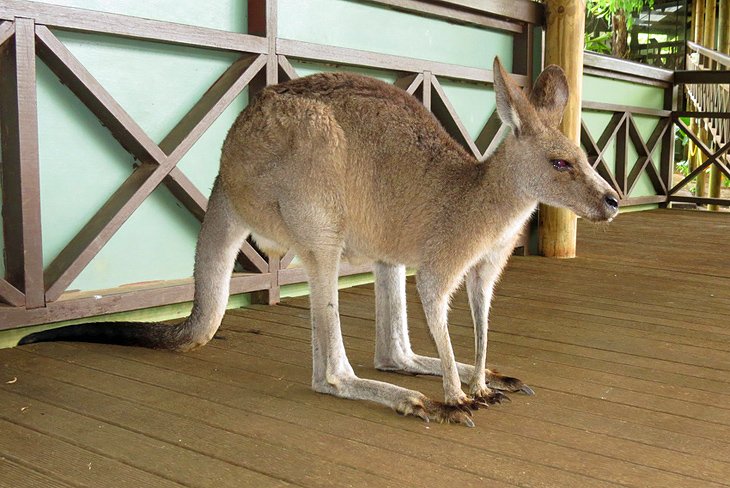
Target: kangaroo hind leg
[331,370]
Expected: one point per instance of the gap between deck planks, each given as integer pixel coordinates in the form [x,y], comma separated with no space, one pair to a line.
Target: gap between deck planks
[627,347]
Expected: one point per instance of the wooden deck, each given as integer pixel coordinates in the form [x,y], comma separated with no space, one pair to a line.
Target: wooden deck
[627,347]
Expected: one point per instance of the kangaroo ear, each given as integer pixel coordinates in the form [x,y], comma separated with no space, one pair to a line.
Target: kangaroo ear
[549,96]
[512,106]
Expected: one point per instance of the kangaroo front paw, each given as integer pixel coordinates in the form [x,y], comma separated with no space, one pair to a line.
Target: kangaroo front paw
[498,381]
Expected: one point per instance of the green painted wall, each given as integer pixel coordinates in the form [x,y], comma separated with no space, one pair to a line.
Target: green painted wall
[81,164]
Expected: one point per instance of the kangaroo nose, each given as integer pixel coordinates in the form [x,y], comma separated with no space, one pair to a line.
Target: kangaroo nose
[611,201]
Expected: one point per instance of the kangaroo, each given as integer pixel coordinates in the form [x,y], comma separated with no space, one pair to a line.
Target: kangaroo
[343,166]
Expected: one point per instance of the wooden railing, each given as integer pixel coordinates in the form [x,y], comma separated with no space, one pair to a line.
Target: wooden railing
[622,130]
[34,291]
[706,86]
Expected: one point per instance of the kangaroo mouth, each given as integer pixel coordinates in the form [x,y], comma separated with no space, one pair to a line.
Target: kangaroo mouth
[601,213]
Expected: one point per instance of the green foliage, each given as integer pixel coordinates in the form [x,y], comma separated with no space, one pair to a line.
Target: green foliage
[599,43]
[603,10]
[606,8]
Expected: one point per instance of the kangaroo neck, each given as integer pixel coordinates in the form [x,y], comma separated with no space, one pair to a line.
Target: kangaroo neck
[500,192]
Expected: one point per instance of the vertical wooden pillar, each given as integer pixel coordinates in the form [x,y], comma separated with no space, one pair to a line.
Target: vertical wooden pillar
[708,41]
[564,46]
[698,7]
[20,171]
[723,27]
[262,21]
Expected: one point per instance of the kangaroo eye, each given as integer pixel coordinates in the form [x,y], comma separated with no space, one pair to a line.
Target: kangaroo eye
[561,164]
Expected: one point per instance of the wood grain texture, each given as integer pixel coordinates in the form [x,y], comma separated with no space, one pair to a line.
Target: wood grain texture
[83,20]
[23,252]
[630,366]
[564,46]
[122,299]
[453,13]
[354,57]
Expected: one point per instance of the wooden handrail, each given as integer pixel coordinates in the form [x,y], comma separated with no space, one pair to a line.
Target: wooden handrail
[716,56]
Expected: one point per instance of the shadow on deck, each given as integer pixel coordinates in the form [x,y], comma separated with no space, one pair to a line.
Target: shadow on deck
[627,347]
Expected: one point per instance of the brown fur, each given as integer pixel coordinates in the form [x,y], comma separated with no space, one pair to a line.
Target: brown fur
[336,165]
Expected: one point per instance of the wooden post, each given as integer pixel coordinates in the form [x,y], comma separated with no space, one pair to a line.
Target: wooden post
[262,21]
[699,15]
[723,45]
[564,47]
[708,41]
[723,27]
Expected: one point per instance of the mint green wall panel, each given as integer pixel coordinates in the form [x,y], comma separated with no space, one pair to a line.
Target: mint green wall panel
[156,243]
[596,123]
[229,15]
[368,27]
[646,126]
[607,90]
[155,83]
[473,102]
[82,164]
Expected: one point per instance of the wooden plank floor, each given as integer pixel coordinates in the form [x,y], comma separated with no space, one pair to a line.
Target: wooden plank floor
[627,347]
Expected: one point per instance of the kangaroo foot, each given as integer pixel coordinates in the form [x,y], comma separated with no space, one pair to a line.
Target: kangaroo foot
[486,396]
[498,381]
[443,413]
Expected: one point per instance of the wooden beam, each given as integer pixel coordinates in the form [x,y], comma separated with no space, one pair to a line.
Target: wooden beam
[21,207]
[700,200]
[78,79]
[121,299]
[287,68]
[83,20]
[625,77]
[723,27]
[708,33]
[615,107]
[597,149]
[720,58]
[11,295]
[622,66]
[230,82]
[117,209]
[262,20]
[646,160]
[446,113]
[564,47]
[622,156]
[410,83]
[451,13]
[707,77]
[488,133]
[427,90]
[701,115]
[186,193]
[7,30]
[368,59]
[520,10]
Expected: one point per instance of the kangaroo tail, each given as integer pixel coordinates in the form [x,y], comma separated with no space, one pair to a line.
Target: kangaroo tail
[219,241]
[152,335]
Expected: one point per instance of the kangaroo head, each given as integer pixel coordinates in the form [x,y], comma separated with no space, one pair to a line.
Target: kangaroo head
[554,170]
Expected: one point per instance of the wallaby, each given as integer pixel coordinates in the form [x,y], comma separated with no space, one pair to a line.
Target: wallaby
[338,165]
